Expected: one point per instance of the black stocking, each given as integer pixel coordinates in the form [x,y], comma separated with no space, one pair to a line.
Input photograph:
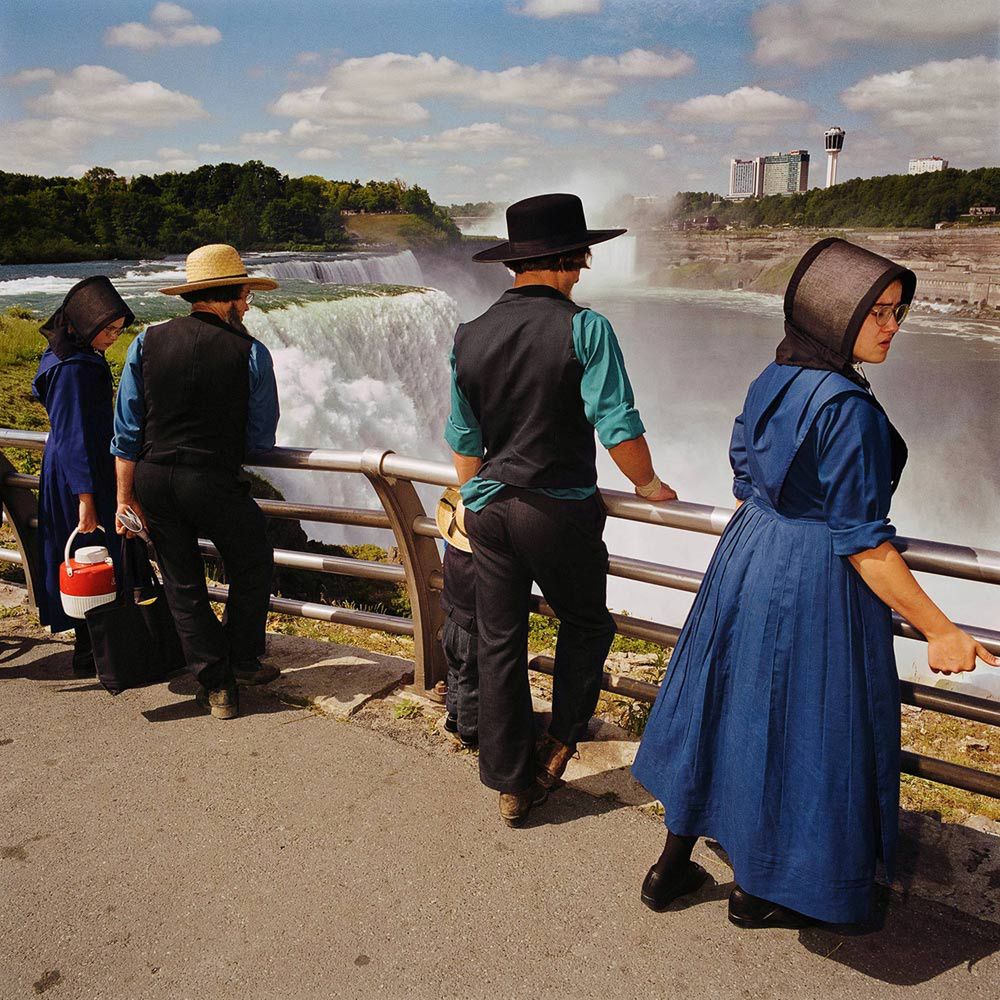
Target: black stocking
[676,853]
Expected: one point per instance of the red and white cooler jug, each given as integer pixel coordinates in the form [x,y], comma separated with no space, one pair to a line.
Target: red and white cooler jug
[87,580]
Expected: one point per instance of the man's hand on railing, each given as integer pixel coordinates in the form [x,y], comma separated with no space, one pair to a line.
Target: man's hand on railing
[662,494]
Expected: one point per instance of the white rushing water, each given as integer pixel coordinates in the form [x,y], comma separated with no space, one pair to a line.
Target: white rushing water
[356,373]
[390,269]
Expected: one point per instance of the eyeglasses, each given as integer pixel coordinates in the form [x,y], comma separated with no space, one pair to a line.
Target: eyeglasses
[249,298]
[883,312]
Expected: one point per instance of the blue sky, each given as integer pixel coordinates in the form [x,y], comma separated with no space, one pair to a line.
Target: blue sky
[497,99]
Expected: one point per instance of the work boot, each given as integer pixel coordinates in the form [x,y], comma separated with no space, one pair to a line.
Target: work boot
[551,758]
[515,806]
[222,702]
[251,673]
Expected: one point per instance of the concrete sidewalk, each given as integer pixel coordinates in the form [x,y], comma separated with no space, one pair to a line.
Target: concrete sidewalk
[149,851]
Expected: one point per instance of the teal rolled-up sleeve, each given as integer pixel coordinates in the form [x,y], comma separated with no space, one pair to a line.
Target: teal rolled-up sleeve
[608,400]
[461,430]
[130,406]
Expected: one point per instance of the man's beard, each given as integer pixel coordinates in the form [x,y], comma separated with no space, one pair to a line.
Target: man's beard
[233,319]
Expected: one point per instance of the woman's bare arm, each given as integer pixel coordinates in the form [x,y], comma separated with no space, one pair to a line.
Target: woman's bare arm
[949,649]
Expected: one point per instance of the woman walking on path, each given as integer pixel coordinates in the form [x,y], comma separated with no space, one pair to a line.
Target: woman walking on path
[776,730]
[77,488]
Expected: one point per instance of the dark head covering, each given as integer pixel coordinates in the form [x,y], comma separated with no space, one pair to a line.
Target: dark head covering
[828,298]
[543,225]
[90,305]
[827,301]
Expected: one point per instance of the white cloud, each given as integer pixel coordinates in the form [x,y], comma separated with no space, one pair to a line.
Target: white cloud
[740,106]
[270,138]
[514,162]
[317,153]
[640,63]
[97,94]
[26,77]
[811,32]
[461,170]
[946,108]
[32,144]
[209,147]
[624,128]
[171,25]
[307,58]
[387,89]
[656,152]
[167,160]
[465,138]
[546,9]
[561,121]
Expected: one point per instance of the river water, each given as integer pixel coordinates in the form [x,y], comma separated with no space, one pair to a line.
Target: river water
[371,371]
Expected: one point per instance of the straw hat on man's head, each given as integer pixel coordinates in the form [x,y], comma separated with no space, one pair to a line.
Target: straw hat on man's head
[216,265]
[450,517]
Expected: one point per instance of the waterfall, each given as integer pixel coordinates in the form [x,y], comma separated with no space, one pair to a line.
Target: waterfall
[390,269]
[361,372]
[613,265]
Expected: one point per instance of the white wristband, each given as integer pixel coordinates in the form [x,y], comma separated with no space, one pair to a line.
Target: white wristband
[653,486]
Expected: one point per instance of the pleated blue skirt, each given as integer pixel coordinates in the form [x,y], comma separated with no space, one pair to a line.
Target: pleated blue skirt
[776,730]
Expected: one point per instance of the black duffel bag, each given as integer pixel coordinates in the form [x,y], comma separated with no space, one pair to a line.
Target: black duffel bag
[134,637]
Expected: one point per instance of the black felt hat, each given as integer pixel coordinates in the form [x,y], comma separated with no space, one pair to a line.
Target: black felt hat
[543,225]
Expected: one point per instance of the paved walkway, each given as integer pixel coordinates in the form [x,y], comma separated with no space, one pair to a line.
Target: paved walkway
[149,851]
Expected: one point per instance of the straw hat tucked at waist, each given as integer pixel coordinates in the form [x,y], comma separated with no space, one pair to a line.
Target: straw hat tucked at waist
[214,266]
[450,517]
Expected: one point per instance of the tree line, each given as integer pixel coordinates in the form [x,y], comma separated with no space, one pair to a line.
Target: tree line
[251,205]
[893,201]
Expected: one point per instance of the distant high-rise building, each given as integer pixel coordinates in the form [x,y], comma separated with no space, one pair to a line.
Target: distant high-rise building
[785,173]
[834,138]
[746,178]
[927,164]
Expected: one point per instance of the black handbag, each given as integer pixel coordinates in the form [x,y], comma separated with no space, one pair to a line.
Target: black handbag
[134,637]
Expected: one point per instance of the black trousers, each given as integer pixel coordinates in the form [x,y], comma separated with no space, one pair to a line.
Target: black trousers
[181,504]
[520,537]
[461,654]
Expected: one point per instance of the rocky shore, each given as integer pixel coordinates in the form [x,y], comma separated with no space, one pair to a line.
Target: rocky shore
[957,267]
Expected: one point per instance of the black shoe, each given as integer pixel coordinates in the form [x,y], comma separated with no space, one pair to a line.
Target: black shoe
[752,912]
[469,742]
[451,723]
[84,666]
[660,890]
[223,702]
[253,672]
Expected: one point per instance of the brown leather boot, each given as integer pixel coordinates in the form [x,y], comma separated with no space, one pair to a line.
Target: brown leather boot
[515,806]
[551,758]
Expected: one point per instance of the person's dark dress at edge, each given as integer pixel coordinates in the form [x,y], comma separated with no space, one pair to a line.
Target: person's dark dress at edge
[776,730]
[74,385]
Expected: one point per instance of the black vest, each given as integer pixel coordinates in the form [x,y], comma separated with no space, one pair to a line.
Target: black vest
[516,366]
[196,383]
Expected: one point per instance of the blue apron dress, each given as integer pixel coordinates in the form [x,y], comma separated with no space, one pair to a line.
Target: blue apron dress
[776,730]
[78,395]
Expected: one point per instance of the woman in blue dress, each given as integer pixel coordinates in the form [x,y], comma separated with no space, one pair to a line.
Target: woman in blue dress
[77,487]
[776,730]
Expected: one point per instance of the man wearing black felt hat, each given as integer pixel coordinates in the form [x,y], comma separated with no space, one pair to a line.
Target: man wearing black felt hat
[532,379]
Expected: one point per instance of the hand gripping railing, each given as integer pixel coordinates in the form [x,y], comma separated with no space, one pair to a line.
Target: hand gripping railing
[392,476]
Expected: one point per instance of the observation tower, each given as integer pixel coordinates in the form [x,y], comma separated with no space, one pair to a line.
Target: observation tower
[834,144]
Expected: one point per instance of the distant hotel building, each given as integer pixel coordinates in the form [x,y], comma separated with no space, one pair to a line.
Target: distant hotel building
[779,173]
[745,178]
[927,164]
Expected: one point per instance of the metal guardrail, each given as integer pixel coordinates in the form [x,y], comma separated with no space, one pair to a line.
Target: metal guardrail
[392,476]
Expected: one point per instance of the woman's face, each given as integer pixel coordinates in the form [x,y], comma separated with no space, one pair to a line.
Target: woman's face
[108,335]
[874,341]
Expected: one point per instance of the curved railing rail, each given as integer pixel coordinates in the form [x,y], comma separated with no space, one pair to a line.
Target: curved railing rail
[392,476]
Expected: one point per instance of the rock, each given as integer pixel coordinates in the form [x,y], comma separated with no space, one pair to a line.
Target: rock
[970,743]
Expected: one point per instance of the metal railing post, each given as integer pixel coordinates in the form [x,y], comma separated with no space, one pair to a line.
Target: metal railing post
[420,559]
[21,508]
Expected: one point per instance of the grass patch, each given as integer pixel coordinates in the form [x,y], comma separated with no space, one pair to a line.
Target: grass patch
[408,232]
[406,708]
